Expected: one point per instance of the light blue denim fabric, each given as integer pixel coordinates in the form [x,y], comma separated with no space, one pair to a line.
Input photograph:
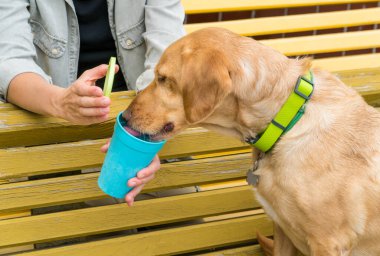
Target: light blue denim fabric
[42,36]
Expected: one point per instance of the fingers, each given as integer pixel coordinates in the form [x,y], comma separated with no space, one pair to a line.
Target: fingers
[105,147]
[82,88]
[92,106]
[96,73]
[143,177]
[94,112]
[83,103]
[146,174]
[130,197]
[150,169]
[136,181]
[96,102]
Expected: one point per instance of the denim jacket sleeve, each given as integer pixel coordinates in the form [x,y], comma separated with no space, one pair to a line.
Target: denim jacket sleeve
[164,24]
[17,52]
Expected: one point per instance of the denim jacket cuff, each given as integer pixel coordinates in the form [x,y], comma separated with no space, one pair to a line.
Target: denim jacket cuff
[10,68]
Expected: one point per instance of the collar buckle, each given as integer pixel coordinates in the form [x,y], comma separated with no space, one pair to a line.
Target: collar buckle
[298,92]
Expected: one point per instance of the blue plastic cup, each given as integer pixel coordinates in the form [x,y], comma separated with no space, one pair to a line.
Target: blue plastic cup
[126,156]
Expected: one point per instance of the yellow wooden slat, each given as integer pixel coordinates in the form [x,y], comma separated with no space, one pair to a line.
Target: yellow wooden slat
[224,153]
[202,6]
[225,184]
[86,154]
[295,23]
[326,43]
[366,82]
[348,63]
[171,241]
[363,80]
[16,249]
[252,250]
[18,162]
[359,71]
[13,214]
[6,106]
[233,215]
[77,188]
[362,72]
[152,212]
[5,216]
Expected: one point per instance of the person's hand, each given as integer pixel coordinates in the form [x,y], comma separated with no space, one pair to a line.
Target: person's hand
[143,176]
[83,102]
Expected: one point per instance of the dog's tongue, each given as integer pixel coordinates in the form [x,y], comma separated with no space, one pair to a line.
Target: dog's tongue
[132,132]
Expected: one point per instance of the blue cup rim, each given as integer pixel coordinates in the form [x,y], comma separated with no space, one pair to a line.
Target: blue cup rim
[148,143]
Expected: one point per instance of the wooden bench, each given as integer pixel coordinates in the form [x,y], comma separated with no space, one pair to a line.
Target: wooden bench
[43,194]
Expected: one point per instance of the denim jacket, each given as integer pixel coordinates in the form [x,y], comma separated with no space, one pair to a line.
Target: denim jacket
[42,36]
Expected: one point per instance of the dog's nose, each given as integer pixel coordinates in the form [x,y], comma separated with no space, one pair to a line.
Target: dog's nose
[127,114]
[168,127]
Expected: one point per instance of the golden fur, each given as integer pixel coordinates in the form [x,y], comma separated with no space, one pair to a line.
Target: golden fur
[321,182]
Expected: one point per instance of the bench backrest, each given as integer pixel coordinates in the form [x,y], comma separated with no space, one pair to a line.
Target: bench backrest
[342,36]
[35,149]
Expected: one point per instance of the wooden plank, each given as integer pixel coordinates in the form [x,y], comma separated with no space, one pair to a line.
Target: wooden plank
[251,250]
[224,153]
[86,154]
[233,215]
[326,43]
[23,128]
[366,82]
[349,63]
[224,184]
[171,241]
[16,249]
[50,158]
[119,217]
[295,23]
[201,6]
[362,80]
[7,107]
[12,215]
[78,188]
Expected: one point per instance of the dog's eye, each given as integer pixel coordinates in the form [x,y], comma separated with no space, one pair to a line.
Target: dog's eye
[161,79]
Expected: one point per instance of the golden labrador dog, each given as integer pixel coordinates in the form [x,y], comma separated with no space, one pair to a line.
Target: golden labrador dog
[320,183]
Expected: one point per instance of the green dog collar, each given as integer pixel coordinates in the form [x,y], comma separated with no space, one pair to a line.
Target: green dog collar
[289,114]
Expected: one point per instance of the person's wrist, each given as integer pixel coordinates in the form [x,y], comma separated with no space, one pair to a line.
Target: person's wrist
[56,100]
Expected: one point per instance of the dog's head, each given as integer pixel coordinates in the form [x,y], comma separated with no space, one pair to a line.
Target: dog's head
[211,78]
[190,83]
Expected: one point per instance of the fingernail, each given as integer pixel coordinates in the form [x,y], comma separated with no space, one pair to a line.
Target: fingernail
[133,184]
[105,100]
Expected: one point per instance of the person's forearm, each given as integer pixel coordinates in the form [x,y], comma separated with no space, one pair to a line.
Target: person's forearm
[30,91]
[80,103]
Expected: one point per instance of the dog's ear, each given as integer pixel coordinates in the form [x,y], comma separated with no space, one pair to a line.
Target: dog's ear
[206,82]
